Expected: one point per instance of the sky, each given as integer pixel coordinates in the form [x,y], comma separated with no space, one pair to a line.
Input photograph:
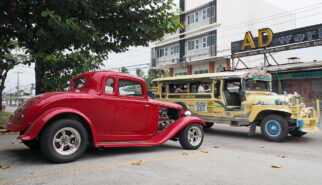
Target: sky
[141,55]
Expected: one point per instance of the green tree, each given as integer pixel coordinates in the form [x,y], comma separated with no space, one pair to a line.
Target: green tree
[140,73]
[154,74]
[10,56]
[124,70]
[57,27]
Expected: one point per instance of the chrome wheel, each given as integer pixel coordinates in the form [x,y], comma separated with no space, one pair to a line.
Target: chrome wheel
[66,141]
[194,136]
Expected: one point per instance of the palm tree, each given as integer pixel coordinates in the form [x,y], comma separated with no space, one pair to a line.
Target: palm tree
[140,73]
[124,70]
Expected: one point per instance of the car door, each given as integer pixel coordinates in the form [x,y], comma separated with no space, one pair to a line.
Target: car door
[105,107]
[131,116]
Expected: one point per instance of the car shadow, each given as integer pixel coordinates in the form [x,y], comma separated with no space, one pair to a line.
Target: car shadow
[119,151]
[243,133]
[33,157]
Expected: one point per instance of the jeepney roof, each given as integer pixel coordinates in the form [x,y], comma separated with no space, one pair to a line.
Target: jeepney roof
[221,75]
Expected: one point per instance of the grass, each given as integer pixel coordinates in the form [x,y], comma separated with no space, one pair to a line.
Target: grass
[4,118]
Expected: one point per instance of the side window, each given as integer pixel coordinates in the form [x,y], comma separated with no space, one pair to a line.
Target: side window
[217,89]
[109,87]
[79,83]
[130,88]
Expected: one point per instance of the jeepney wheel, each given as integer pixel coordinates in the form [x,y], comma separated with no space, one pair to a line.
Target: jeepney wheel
[209,125]
[191,137]
[274,128]
[297,133]
[64,141]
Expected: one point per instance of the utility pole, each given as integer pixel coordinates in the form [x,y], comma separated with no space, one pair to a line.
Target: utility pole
[18,72]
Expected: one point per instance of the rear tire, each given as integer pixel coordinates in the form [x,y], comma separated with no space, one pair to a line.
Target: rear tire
[191,137]
[297,133]
[64,141]
[274,128]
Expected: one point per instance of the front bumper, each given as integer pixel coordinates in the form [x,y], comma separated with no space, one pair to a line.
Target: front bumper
[309,124]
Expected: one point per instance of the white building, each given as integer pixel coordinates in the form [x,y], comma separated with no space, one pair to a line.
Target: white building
[204,46]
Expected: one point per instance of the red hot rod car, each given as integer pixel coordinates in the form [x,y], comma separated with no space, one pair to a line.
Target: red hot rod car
[104,109]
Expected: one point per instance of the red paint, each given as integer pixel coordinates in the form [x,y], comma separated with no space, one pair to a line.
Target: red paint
[300,87]
[111,117]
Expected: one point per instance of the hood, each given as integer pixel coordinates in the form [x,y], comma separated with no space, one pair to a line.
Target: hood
[270,98]
[166,104]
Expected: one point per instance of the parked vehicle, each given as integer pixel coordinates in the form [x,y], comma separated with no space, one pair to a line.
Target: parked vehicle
[104,109]
[240,99]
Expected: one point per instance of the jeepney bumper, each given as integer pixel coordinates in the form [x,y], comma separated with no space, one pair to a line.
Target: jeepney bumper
[309,124]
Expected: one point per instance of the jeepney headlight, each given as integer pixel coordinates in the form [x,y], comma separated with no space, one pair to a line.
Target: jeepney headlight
[187,113]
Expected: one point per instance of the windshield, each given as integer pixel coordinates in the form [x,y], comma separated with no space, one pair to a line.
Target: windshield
[257,85]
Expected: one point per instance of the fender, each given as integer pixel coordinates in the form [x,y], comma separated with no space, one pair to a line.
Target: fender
[253,115]
[161,137]
[35,127]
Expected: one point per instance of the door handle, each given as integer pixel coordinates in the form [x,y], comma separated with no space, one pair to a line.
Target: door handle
[147,105]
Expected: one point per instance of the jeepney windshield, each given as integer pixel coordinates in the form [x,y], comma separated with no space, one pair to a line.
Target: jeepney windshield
[257,85]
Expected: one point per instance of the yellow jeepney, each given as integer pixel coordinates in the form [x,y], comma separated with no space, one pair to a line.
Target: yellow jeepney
[240,99]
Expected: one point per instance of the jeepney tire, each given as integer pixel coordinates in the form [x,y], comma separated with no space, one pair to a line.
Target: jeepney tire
[191,136]
[52,137]
[32,144]
[297,133]
[274,128]
[209,125]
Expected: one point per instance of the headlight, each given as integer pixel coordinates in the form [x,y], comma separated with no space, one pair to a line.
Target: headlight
[187,113]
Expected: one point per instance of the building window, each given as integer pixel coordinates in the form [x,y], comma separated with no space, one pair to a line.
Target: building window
[201,72]
[197,44]
[175,49]
[210,11]
[161,52]
[181,74]
[191,45]
[204,42]
[196,17]
[204,14]
[210,40]
[191,19]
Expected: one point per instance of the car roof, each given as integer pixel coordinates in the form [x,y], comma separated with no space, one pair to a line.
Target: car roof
[103,73]
[207,75]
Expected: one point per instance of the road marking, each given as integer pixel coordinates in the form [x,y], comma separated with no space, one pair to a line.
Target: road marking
[113,165]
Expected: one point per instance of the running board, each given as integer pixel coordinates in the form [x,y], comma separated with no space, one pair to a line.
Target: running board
[125,144]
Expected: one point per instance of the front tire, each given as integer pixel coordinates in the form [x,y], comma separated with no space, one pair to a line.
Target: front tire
[191,137]
[297,133]
[274,128]
[64,141]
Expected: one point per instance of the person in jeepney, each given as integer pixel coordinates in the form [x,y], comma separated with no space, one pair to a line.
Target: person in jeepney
[201,88]
[181,90]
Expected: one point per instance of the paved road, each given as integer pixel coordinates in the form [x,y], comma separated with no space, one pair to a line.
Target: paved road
[238,160]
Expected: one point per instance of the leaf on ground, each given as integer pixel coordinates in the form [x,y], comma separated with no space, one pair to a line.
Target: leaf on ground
[4,166]
[32,173]
[260,147]
[184,153]
[282,156]
[216,146]
[204,151]
[276,166]
[137,162]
